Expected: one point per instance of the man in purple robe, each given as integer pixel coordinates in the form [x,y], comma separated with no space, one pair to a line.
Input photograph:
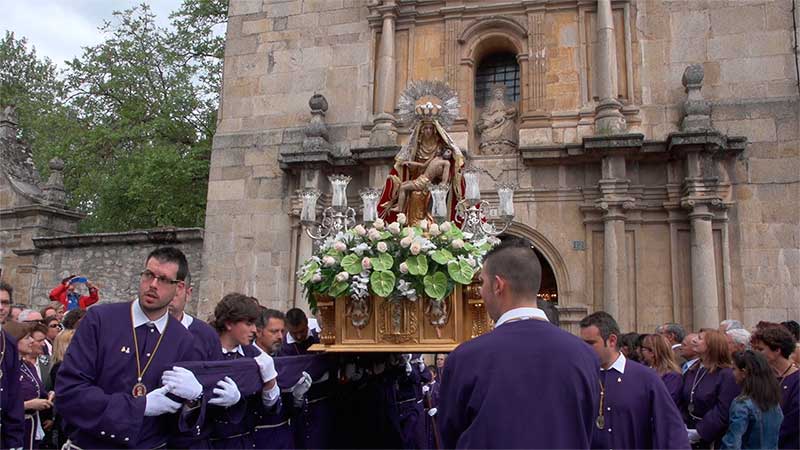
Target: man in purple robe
[299,338]
[206,340]
[12,413]
[527,384]
[109,387]
[636,411]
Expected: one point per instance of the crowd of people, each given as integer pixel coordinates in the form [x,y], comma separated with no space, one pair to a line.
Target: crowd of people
[146,374]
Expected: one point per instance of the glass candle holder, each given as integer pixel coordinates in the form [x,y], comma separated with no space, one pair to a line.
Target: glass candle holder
[370,198]
[471,180]
[308,213]
[339,184]
[506,194]
[439,209]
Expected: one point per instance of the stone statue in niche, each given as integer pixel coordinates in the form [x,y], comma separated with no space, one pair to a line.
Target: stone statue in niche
[497,125]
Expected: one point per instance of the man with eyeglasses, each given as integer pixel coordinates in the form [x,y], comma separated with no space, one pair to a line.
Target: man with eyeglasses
[109,386]
[12,412]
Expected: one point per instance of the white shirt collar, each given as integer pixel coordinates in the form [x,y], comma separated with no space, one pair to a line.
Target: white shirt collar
[238,350]
[674,346]
[187,320]
[290,339]
[140,318]
[255,344]
[519,313]
[619,364]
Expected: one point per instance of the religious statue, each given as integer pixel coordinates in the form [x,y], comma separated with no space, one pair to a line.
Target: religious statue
[496,125]
[429,156]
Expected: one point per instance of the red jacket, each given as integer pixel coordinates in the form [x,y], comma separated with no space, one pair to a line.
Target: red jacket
[59,294]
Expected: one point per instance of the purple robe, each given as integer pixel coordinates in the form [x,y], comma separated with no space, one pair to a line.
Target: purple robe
[714,392]
[674,382]
[527,384]
[232,428]
[790,405]
[298,348]
[98,374]
[31,387]
[638,412]
[206,340]
[315,423]
[12,412]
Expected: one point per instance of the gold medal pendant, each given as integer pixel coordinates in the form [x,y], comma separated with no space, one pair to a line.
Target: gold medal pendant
[600,422]
[139,390]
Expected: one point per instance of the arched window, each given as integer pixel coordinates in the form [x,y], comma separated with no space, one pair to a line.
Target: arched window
[498,68]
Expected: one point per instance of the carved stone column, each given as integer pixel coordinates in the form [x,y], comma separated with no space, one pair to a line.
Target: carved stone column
[705,309]
[608,118]
[384,130]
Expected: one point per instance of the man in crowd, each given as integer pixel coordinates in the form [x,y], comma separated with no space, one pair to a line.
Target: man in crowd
[636,410]
[675,335]
[30,316]
[67,293]
[270,329]
[206,340]
[500,390]
[108,385]
[299,338]
[738,340]
[12,413]
[730,324]
[16,310]
[688,352]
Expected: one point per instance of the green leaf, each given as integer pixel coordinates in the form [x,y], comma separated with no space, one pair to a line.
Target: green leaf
[310,271]
[442,256]
[460,272]
[417,265]
[384,261]
[352,264]
[382,283]
[338,288]
[435,285]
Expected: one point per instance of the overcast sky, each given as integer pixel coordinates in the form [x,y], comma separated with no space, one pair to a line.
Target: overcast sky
[59,28]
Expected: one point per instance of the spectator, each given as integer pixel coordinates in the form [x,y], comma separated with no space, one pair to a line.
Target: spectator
[730,324]
[794,329]
[73,318]
[67,294]
[738,340]
[6,291]
[657,354]
[777,345]
[59,308]
[48,311]
[686,352]
[16,310]
[755,418]
[674,333]
[627,345]
[30,316]
[60,346]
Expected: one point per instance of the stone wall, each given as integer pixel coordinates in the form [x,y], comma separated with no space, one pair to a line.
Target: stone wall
[112,261]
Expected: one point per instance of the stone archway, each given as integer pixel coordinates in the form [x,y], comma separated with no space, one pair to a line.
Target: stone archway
[550,257]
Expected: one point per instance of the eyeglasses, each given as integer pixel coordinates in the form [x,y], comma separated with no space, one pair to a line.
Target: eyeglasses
[5,303]
[147,276]
[55,325]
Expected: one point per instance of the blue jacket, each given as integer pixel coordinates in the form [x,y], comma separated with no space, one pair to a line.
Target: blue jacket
[750,427]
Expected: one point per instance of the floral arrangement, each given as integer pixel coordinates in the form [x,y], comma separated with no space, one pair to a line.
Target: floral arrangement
[393,261]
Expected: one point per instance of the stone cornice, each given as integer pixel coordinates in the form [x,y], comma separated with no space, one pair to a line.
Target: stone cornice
[43,209]
[161,236]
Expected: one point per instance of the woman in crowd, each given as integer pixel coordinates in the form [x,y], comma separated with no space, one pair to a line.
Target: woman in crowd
[755,417]
[777,344]
[627,346]
[60,345]
[30,339]
[708,390]
[658,355]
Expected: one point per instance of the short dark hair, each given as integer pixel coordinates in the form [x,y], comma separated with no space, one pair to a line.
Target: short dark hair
[171,255]
[776,337]
[603,321]
[793,328]
[72,318]
[7,287]
[296,317]
[234,307]
[676,329]
[515,261]
[266,314]
[630,340]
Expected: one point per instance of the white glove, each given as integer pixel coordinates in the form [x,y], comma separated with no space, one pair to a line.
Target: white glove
[182,382]
[157,403]
[270,396]
[406,359]
[425,389]
[420,363]
[226,393]
[694,436]
[300,388]
[432,412]
[267,367]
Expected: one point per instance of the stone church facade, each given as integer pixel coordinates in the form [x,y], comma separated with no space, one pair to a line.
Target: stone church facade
[655,145]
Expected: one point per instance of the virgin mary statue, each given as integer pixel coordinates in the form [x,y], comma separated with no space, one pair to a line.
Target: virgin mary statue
[428,106]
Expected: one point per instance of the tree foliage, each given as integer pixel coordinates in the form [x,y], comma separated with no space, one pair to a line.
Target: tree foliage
[133,116]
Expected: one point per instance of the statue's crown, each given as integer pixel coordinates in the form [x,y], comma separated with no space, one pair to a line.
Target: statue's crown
[428,111]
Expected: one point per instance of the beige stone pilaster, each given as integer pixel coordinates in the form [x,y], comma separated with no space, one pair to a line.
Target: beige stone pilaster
[384,131]
[608,119]
[705,309]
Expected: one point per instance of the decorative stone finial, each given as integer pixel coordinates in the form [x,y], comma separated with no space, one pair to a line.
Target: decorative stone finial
[317,131]
[696,109]
[8,122]
[54,191]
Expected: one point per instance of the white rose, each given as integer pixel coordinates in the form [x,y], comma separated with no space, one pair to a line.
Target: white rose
[415,248]
[379,224]
[403,268]
[382,247]
[394,228]
[457,243]
[316,278]
[434,230]
[328,261]
[406,241]
[360,230]
[339,246]
[401,219]
[366,263]
[423,224]
[374,235]
[444,227]
[342,276]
